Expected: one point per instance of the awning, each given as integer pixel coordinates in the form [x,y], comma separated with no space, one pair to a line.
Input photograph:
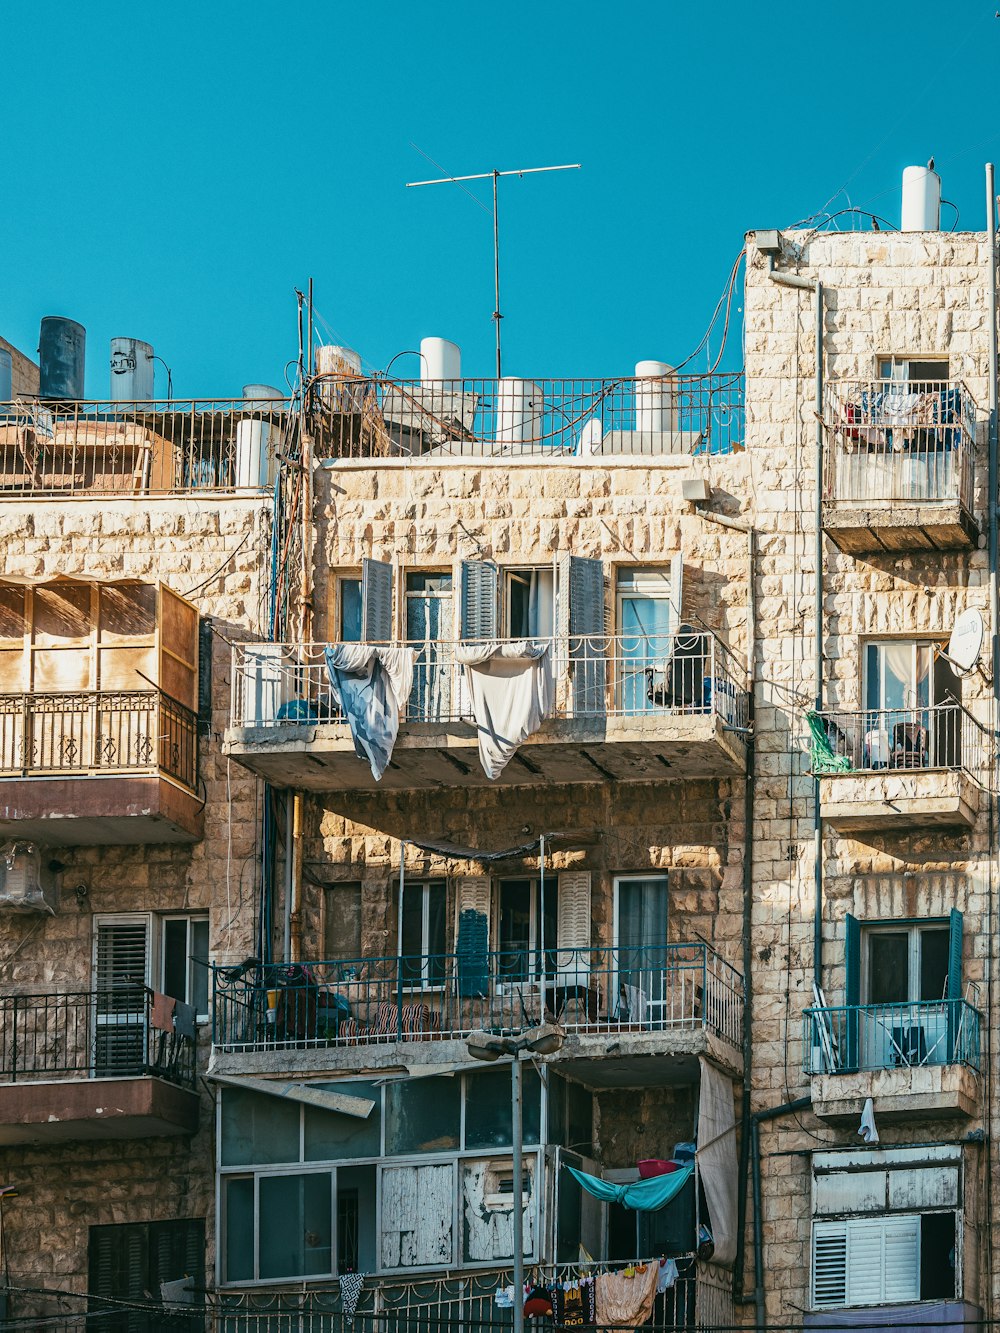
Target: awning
[645,1196]
[360,1107]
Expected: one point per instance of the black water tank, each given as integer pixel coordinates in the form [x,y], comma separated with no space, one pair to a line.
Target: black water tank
[61,347]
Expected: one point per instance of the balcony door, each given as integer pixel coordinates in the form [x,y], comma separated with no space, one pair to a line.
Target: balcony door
[429,631]
[647,606]
[121,976]
[907,724]
[641,977]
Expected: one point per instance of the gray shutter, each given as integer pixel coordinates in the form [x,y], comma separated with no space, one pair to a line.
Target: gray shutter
[586,596]
[479,594]
[122,953]
[376,601]
[582,619]
[829,1263]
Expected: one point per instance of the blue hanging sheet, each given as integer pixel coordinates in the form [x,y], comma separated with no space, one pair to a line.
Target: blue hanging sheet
[645,1196]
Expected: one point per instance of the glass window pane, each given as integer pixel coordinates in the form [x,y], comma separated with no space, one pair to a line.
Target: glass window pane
[175,951]
[238,1206]
[413,930]
[330,1136]
[514,934]
[888,967]
[934,964]
[488,1111]
[350,610]
[296,1225]
[437,942]
[422,1115]
[198,965]
[258,1129]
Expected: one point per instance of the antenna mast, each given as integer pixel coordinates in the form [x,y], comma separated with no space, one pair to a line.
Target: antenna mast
[494,176]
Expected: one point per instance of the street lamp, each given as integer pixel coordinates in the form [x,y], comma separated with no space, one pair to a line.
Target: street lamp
[543,1040]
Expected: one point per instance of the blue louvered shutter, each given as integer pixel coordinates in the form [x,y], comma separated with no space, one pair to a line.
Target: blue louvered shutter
[852,988]
[479,593]
[376,601]
[955,1025]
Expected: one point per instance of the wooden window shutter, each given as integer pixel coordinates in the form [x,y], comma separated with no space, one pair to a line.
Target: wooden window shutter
[376,601]
[474,895]
[177,647]
[479,597]
[955,955]
[573,922]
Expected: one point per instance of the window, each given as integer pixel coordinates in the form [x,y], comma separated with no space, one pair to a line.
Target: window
[525,926]
[646,605]
[910,693]
[907,964]
[349,609]
[429,628]
[121,975]
[424,933]
[880,1260]
[342,922]
[925,371]
[128,1263]
[528,594]
[184,972]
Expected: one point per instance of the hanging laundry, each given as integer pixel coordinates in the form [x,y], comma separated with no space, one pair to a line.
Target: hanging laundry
[867,1130]
[512,693]
[161,1013]
[574,1304]
[624,1302]
[538,1302]
[667,1275]
[644,1196]
[503,1298]
[372,685]
[184,1020]
[351,1285]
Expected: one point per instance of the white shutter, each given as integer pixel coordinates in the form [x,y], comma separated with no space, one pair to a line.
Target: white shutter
[901,1243]
[474,895]
[376,601]
[865,1262]
[479,598]
[829,1263]
[573,925]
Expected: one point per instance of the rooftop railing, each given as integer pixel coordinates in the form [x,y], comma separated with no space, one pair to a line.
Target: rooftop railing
[511,418]
[908,1035]
[98,731]
[623,675]
[873,740]
[428,997]
[910,442]
[104,1033]
[142,448]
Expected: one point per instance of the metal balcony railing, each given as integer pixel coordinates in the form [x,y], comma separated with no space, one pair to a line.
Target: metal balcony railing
[147,448]
[873,740]
[891,1036]
[98,731]
[105,1033]
[434,996]
[482,418]
[599,676]
[912,443]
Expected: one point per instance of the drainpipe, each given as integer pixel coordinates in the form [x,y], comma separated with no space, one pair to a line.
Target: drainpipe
[787,1108]
[295,901]
[286,950]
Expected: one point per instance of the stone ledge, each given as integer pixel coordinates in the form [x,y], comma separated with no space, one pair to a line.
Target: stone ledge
[920,1092]
[898,799]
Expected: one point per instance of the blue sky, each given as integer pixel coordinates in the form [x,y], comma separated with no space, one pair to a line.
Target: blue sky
[174,171]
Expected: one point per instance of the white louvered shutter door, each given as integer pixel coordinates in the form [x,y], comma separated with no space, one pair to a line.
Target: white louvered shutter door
[474,895]
[901,1246]
[573,925]
[121,973]
[829,1263]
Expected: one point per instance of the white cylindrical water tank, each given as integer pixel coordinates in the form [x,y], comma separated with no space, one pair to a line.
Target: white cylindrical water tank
[131,371]
[921,200]
[519,412]
[440,359]
[253,457]
[6,376]
[655,397]
[591,437]
[341,368]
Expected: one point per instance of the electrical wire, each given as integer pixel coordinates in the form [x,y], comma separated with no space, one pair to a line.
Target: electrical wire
[228,561]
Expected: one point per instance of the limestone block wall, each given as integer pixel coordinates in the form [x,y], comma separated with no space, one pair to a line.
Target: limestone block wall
[911,296]
[24,376]
[212,550]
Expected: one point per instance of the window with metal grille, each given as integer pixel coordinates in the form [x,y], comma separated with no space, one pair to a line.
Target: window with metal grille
[128,1263]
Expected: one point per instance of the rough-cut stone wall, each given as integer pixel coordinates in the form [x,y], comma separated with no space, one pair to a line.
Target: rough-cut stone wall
[24,371]
[213,550]
[915,295]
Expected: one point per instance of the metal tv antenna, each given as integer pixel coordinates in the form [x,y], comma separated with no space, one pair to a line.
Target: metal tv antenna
[494,176]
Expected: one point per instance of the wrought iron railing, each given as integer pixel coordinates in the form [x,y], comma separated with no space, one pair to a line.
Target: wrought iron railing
[597,676]
[98,731]
[873,740]
[482,418]
[912,443]
[891,1036]
[141,448]
[106,1033]
[434,996]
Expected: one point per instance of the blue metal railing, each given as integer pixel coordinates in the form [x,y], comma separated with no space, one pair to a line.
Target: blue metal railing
[434,996]
[852,1038]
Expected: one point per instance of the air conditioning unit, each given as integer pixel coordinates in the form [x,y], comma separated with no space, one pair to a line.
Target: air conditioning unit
[26,882]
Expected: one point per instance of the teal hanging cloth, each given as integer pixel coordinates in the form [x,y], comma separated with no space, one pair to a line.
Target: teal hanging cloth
[645,1196]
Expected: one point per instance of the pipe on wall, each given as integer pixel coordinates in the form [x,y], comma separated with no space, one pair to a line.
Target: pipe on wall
[295,901]
[772,1113]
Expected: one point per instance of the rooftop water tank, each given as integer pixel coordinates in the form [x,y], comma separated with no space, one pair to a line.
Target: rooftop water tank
[6,376]
[440,359]
[254,456]
[339,366]
[655,397]
[131,371]
[61,352]
[520,404]
[921,200]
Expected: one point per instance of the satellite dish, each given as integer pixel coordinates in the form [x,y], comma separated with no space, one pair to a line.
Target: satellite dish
[966,642]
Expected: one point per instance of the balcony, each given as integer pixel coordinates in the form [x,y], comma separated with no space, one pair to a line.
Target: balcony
[60,449]
[626,709]
[918,1061]
[99,767]
[898,769]
[356,417]
[899,467]
[630,1015]
[91,1065]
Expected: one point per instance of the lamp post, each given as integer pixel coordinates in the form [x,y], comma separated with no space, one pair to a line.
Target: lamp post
[543,1040]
